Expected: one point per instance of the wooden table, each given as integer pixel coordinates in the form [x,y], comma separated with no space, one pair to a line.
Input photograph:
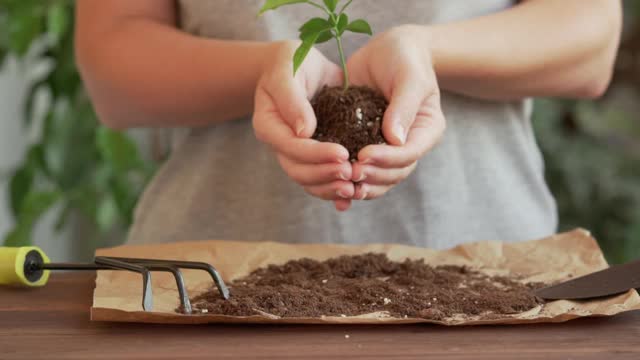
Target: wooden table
[53,323]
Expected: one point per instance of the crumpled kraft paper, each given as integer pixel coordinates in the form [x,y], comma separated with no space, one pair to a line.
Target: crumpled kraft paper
[117,295]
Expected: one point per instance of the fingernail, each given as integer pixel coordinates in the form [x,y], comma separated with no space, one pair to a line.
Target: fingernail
[362,177]
[342,176]
[363,194]
[299,128]
[343,156]
[367,161]
[342,194]
[399,133]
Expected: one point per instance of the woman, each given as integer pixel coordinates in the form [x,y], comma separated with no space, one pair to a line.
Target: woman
[211,66]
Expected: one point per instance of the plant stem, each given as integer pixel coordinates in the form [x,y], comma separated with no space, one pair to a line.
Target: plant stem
[345,6]
[344,63]
[319,7]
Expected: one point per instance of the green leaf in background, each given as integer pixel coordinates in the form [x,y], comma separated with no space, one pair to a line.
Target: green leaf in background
[21,181]
[3,55]
[117,150]
[107,214]
[4,35]
[359,26]
[313,26]
[24,26]
[331,4]
[29,104]
[36,160]
[343,21]
[19,187]
[92,173]
[58,21]
[124,197]
[303,50]
[63,217]
[19,236]
[69,139]
[35,205]
[274,4]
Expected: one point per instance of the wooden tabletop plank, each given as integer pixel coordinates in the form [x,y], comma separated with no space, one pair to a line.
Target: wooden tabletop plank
[53,323]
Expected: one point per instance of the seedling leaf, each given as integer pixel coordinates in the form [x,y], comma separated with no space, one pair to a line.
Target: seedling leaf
[315,25]
[324,37]
[274,4]
[331,4]
[318,30]
[343,21]
[360,26]
[303,50]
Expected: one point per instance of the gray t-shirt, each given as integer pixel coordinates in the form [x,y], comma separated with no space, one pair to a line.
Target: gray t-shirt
[484,181]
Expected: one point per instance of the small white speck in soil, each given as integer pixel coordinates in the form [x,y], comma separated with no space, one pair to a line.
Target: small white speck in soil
[359,113]
[346,336]
[369,124]
[386,301]
[324,281]
[204,311]
[343,315]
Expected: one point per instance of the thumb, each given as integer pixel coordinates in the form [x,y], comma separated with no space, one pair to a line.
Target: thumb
[290,98]
[406,97]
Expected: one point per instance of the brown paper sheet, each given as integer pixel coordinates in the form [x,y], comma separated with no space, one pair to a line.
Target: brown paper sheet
[117,295]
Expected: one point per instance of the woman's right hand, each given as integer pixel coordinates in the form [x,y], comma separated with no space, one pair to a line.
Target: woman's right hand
[284,119]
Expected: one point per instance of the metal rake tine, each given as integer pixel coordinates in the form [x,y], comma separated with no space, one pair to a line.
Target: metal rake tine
[217,279]
[215,275]
[167,267]
[182,290]
[147,289]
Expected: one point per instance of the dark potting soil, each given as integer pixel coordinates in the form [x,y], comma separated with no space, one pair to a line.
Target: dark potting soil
[352,118]
[355,285]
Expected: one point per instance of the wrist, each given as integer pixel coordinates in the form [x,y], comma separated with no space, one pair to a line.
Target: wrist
[278,53]
[271,55]
[420,37]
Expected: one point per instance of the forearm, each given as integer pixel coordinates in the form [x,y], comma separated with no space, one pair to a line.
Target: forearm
[146,73]
[539,48]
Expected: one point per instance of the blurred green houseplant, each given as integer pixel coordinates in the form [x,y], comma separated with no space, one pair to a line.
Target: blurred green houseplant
[75,165]
[592,153]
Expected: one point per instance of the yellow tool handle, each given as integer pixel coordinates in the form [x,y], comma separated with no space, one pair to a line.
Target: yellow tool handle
[14,266]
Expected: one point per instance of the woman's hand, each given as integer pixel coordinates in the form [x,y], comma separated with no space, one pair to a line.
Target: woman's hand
[413,123]
[284,119]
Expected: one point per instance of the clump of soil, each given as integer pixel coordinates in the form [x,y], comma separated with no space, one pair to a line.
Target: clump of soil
[351,118]
[355,285]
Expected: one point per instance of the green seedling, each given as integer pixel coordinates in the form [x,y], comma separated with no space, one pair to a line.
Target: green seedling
[319,30]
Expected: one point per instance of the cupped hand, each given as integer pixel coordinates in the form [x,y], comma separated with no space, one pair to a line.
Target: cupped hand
[397,63]
[284,119]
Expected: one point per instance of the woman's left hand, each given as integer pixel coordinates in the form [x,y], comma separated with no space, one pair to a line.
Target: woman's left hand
[396,64]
